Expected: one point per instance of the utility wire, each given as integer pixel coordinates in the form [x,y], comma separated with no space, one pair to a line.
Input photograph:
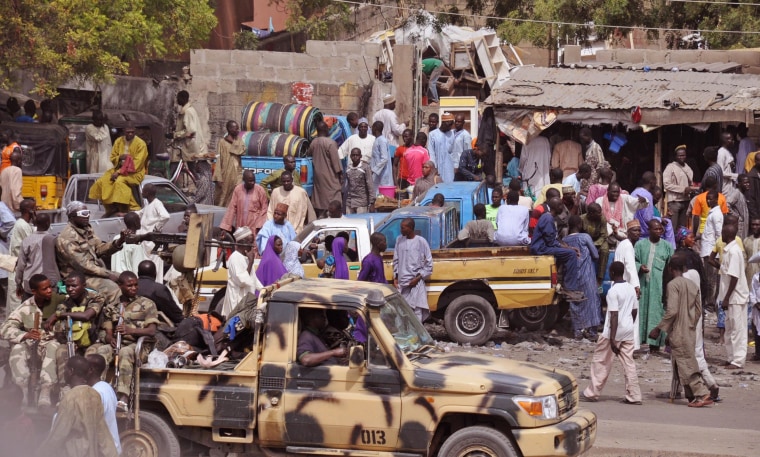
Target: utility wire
[538,21]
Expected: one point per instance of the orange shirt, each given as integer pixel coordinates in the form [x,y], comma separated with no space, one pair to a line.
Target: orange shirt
[701,209]
[6,155]
[403,169]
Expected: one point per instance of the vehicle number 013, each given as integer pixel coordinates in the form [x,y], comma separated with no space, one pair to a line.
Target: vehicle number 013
[373,437]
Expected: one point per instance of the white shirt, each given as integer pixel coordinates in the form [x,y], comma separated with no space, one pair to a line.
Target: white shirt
[536,157]
[355,141]
[512,225]
[732,266]
[128,257]
[239,282]
[625,254]
[621,298]
[98,148]
[108,397]
[725,159]
[572,181]
[153,216]
[392,130]
[713,227]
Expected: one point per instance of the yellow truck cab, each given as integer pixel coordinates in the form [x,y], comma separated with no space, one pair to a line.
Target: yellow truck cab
[396,394]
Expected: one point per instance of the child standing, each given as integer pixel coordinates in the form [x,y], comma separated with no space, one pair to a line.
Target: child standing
[616,340]
[360,192]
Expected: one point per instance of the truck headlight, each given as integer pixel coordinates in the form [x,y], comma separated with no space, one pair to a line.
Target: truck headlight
[538,407]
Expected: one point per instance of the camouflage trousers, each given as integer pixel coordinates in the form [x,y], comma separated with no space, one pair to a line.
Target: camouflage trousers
[109,289]
[19,362]
[126,362]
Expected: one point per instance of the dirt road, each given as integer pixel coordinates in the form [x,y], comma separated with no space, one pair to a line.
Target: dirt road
[658,427]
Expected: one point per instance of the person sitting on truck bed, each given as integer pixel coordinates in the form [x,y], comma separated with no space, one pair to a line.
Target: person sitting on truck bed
[114,188]
[312,350]
[77,248]
[480,229]
[140,318]
[545,241]
[512,222]
[274,179]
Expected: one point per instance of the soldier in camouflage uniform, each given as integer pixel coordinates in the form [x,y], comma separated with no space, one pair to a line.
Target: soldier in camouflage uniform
[77,248]
[83,307]
[18,329]
[140,319]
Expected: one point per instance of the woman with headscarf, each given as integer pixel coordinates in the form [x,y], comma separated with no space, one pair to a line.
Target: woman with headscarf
[270,268]
[429,178]
[341,266]
[290,260]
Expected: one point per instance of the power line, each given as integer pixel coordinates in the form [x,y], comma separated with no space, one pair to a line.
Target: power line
[538,21]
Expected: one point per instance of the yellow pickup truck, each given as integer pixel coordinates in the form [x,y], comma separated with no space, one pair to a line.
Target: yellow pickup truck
[474,289]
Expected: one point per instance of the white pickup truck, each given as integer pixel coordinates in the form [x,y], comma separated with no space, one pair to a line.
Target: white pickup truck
[78,188]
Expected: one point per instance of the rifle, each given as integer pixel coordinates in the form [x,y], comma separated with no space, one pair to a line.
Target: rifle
[35,366]
[118,346]
[71,347]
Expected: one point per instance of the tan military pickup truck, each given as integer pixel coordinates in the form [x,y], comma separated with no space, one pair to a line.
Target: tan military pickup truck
[474,289]
[395,395]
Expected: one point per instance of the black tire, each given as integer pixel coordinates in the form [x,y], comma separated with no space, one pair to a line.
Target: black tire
[470,319]
[162,433]
[477,441]
[536,317]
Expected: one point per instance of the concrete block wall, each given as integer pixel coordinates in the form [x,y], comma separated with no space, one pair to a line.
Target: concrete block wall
[224,82]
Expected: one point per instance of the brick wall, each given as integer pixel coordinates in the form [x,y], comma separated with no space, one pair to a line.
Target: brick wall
[224,82]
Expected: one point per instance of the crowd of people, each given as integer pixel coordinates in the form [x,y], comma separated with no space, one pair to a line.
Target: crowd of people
[702,253]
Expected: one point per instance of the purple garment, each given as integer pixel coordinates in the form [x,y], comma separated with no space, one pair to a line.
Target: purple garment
[360,329]
[270,268]
[372,269]
[646,214]
[668,234]
[341,266]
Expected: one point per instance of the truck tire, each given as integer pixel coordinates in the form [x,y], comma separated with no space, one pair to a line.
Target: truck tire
[161,432]
[536,317]
[470,319]
[477,441]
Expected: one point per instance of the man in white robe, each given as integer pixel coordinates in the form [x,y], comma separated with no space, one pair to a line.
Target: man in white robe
[412,266]
[361,140]
[535,162]
[240,281]
[392,128]
[98,143]
[152,219]
[625,254]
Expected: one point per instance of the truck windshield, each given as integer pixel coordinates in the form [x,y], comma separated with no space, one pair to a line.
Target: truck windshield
[400,320]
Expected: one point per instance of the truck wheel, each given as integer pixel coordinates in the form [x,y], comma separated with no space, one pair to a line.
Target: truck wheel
[477,441]
[536,317]
[470,319]
[163,437]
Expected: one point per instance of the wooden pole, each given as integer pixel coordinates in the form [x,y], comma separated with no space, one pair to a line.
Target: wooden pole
[658,169]
[498,158]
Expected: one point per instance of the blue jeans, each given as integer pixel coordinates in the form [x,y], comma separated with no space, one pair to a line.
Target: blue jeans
[432,84]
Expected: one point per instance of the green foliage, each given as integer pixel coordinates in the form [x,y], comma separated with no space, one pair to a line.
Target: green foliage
[318,19]
[246,40]
[60,40]
[651,14]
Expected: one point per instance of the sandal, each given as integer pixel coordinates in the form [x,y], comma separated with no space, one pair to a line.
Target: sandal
[626,401]
[121,405]
[586,399]
[704,401]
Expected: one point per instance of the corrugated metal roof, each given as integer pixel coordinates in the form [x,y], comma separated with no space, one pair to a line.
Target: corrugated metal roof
[716,67]
[581,88]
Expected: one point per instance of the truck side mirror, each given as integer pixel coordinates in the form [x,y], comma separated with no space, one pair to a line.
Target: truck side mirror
[356,357]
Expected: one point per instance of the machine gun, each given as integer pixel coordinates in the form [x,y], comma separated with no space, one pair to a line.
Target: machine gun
[35,365]
[117,350]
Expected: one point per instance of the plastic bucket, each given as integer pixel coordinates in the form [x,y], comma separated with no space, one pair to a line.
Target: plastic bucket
[388,191]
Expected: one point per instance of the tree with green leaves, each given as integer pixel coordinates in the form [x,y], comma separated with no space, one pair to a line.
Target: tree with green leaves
[56,41]
[318,19]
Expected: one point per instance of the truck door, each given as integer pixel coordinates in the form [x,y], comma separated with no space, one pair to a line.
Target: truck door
[335,406]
